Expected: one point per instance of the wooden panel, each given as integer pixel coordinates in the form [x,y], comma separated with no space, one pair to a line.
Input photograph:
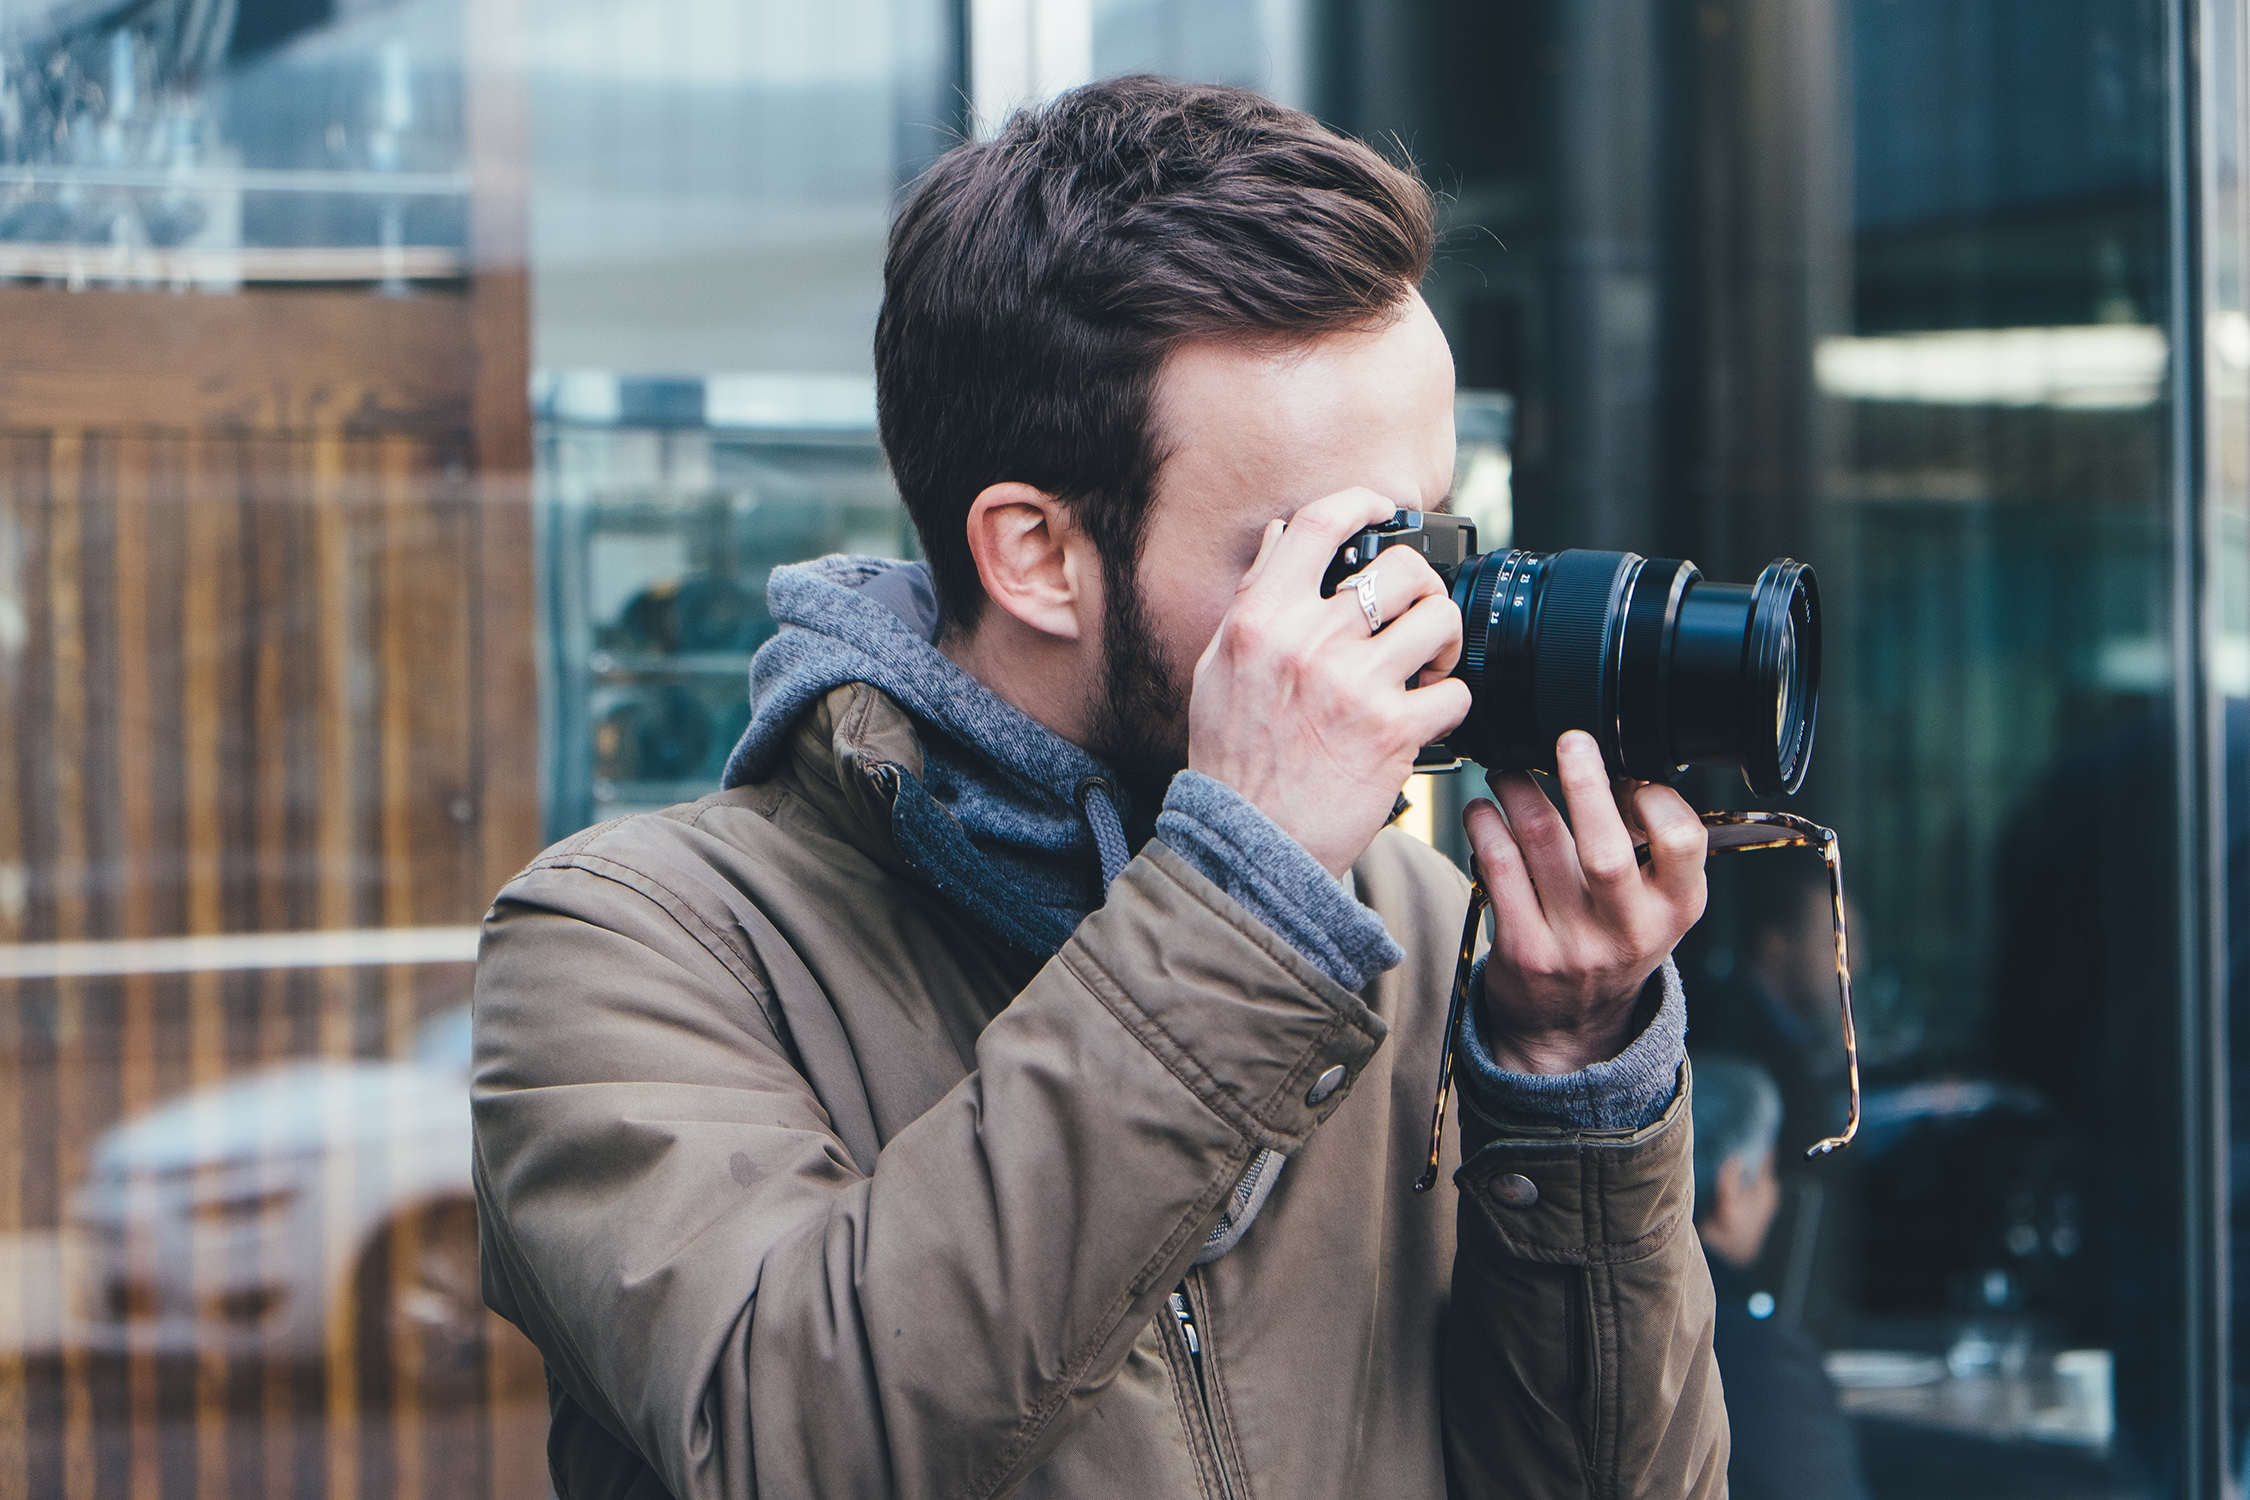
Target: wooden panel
[240,692]
[266,666]
[270,361]
[256,626]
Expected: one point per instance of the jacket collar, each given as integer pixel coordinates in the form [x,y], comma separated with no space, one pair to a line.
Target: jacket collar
[858,759]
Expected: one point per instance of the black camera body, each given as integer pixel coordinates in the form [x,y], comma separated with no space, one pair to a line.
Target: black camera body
[1664,668]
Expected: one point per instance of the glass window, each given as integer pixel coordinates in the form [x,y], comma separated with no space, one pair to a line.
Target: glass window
[711,194]
[402,403]
[2003,758]
[1887,285]
[290,296]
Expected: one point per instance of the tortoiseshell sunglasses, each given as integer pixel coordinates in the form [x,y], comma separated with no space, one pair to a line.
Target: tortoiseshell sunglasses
[1730,833]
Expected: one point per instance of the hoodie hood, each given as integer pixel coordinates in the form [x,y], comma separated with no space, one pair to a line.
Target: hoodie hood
[1020,828]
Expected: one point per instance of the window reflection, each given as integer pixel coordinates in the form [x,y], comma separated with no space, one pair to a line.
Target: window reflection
[665,503]
[267,624]
[197,145]
[269,617]
[1948,391]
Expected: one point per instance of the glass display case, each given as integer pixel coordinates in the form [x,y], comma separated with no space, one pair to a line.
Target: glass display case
[664,505]
[168,143]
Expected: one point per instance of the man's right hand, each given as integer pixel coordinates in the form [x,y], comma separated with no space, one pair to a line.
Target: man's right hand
[1297,707]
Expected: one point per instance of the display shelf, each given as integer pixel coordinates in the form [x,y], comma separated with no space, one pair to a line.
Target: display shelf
[607,665]
[664,505]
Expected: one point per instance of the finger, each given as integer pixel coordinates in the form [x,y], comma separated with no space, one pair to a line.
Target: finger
[1507,880]
[1605,849]
[1678,845]
[1428,633]
[1543,837]
[1266,543]
[1621,789]
[1403,579]
[1435,711]
[1301,558]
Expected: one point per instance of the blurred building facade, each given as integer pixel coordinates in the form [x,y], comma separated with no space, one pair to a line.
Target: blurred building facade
[402,401]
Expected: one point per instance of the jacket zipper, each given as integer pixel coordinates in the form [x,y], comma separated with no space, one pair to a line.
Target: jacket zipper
[1183,1312]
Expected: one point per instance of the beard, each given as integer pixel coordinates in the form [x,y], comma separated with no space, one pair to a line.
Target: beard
[1141,720]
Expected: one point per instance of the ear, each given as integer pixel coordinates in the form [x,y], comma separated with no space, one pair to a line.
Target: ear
[1033,560]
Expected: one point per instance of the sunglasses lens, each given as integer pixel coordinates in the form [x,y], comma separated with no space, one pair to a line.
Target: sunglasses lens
[1728,836]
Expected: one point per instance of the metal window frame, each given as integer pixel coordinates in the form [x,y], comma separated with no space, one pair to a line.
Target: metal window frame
[2206,67]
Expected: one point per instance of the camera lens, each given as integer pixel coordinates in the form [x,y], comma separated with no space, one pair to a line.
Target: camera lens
[1661,666]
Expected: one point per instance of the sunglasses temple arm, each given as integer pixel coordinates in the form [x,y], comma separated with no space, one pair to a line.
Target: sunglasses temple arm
[1462,970]
[1834,860]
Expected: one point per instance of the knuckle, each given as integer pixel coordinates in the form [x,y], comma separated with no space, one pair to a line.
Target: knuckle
[1537,961]
[1243,637]
[1606,867]
[1413,569]
[1538,826]
[1301,662]
[1343,513]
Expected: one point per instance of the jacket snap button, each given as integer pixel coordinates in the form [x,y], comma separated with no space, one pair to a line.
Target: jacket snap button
[1516,1190]
[1326,1084]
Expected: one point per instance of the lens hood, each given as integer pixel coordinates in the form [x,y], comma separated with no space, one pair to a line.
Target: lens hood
[1781,698]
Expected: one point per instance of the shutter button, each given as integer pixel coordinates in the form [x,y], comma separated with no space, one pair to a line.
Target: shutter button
[1326,1084]
[1516,1190]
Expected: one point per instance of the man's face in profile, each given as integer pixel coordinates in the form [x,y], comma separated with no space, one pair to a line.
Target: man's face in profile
[1250,432]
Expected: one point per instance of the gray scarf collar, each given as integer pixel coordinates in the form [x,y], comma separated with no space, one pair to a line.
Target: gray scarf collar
[1010,821]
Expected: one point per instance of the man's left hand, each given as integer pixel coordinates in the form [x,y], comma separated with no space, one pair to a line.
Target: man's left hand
[1579,924]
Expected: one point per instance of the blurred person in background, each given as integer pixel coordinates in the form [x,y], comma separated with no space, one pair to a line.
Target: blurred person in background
[1791,1441]
[1779,1006]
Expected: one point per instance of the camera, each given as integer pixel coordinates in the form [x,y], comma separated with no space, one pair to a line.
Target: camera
[1664,668]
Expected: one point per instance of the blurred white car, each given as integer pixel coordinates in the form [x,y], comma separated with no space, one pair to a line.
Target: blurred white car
[290,1214]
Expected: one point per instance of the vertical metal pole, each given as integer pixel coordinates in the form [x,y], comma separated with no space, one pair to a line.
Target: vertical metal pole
[2204,1433]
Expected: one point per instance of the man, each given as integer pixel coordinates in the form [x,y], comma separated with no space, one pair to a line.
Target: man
[988,1093]
[1790,1440]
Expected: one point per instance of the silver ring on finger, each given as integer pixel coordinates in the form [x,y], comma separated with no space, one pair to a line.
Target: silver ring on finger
[1363,584]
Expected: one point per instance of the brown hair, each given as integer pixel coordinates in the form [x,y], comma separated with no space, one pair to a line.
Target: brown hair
[1035,283]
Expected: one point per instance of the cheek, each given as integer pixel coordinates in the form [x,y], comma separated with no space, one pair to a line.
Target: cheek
[1185,600]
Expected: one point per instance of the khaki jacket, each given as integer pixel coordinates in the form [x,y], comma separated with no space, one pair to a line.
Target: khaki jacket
[804,1188]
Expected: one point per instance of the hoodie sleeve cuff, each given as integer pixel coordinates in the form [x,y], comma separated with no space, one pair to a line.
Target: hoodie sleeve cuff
[1244,853]
[1629,1092]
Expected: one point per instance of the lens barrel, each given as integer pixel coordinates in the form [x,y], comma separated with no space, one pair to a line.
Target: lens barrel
[1664,668]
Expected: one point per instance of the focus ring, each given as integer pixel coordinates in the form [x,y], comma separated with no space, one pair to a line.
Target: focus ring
[1571,648]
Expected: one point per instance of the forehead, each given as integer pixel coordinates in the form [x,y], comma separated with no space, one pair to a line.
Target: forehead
[1265,428]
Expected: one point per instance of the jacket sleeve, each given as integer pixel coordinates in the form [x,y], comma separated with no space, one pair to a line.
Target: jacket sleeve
[669,1214]
[1578,1362]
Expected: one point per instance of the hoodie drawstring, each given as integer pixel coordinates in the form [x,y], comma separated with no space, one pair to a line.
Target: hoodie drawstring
[1097,806]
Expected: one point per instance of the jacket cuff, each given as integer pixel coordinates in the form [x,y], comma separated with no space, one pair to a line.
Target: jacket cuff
[1628,1092]
[1244,853]
[1584,1197]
